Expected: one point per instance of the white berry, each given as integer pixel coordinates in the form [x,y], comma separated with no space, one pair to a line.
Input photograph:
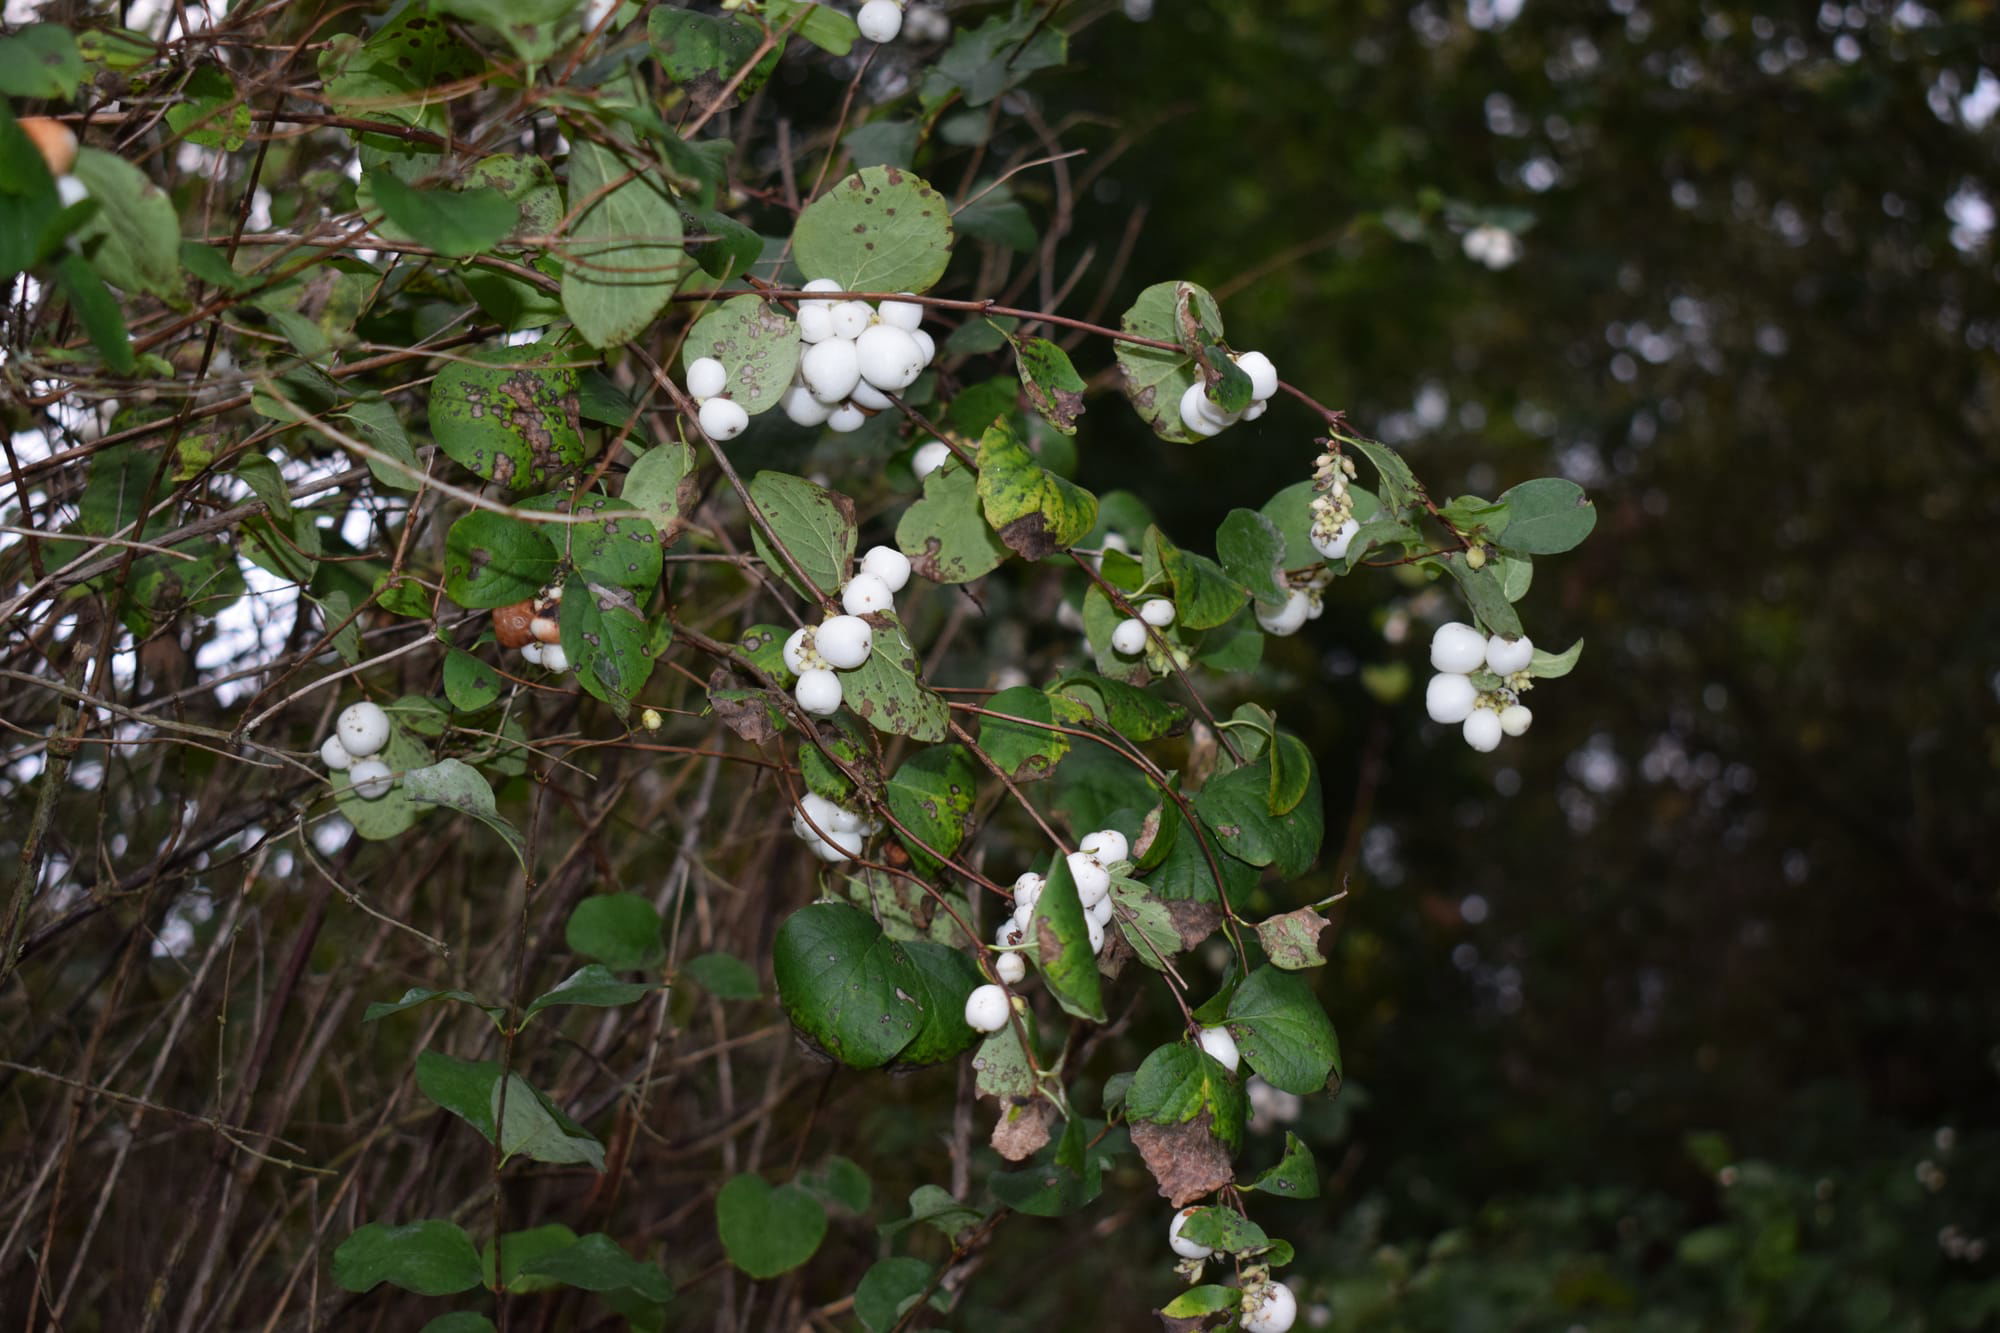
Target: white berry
[905,315]
[925,344]
[1263,375]
[864,593]
[1515,719]
[1221,1047]
[880,20]
[1335,547]
[1196,413]
[1159,613]
[868,396]
[1288,618]
[986,1009]
[818,692]
[1093,881]
[851,319]
[1100,911]
[887,564]
[846,418]
[1094,929]
[800,655]
[1458,648]
[890,358]
[531,651]
[370,778]
[831,369]
[1483,730]
[1504,658]
[706,377]
[723,419]
[1011,967]
[1108,845]
[804,409]
[1275,1313]
[837,846]
[844,641]
[820,285]
[929,458]
[333,754]
[1450,697]
[1130,637]
[1186,1249]
[363,728]
[817,815]
[554,658]
[1027,892]
[815,322]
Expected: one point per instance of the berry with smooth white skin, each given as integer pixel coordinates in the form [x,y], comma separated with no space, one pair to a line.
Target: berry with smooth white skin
[333,754]
[1100,911]
[1093,881]
[1108,845]
[71,191]
[831,369]
[868,396]
[1483,731]
[818,692]
[851,319]
[1027,892]
[723,419]
[1130,637]
[1186,1249]
[370,778]
[837,846]
[1288,618]
[1457,648]
[532,651]
[363,728]
[1335,547]
[1515,719]
[1263,375]
[820,285]
[887,564]
[929,458]
[54,140]
[889,357]
[1198,414]
[1159,613]
[1504,658]
[800,653]
[1450,697]
[844,641]
[904,315]
[803,409]
[1094,930]
[866,592]
[546,629]
[1009,934]
[986,1009]
[925,344]
[706,377]
[846,419]
[1011,968]
[815,322]
[554,658]
[1221,1047]
[880,20]
[1275,1313]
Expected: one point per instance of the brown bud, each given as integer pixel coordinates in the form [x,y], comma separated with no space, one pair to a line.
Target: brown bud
[55,140]
[513,625]
[545,629]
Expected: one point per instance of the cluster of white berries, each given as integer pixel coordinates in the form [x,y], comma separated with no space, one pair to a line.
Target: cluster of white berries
[833,833]
[544,647]
[1304,602]
[1098,856]
[1333,521]
[1457,651]
[1269,1308]
[722,417]
[1199,412]
[1495,247]
[843,642]
[855,356]
[359,734]
[1129,639]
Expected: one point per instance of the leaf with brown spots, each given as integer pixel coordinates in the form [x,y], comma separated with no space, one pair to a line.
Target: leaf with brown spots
[1292,940]
[1186,1160]
[509,414]
[1155,378]
[945,534]
[757,343]
[882,229]
[1035,512]
[887,692]
[1053,387]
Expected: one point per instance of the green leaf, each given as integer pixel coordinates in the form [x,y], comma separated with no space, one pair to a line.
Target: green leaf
[134,238]
[455,223]
[822,25]
[463,1087]
[933,1206]
[1204,596]
[98,312]
[1035,512]
[1061,942]
[41,61]
[519,1248]
[621,552]
[1291,772]
[994,215]
[608,644]
[931,795]
[1133,713]
[376,421]
[886,143]
[459,786]
[1060,1181]
[469,683]
[1237,807]
[1226,1230]
[1022,750]
[882,229]
[592,985]
[888,1289]
[1252,553]
[392,813]
[599,1263]
[1145,922]
[1295,1176]
[844,984]
[1548,516]
[1484,594]
[1000,1066]
[1552,666]
[1053,387]
[459,1321]
[529,1124]
[724,247]
[431,1258]
[624,256]
[886,690]
[768,1231]
[620,930]
[757,343]
[945,534]
[1203,1300]
[662,485]
[509,414]
[701,49]
[1283,1032]
[531,27]
[417,995]
[492,560]
[815,524]
[1292,939]
[998,54]
[722,975]
[1400,488]
[213,113]
[940,979]
[1156,378]
[1179,1081]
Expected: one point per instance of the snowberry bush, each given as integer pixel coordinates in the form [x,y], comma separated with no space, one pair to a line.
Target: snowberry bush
[407,369]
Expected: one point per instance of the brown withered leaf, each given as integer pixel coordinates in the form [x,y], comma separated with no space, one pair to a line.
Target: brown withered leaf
[1023,1130]
[1186,1160]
